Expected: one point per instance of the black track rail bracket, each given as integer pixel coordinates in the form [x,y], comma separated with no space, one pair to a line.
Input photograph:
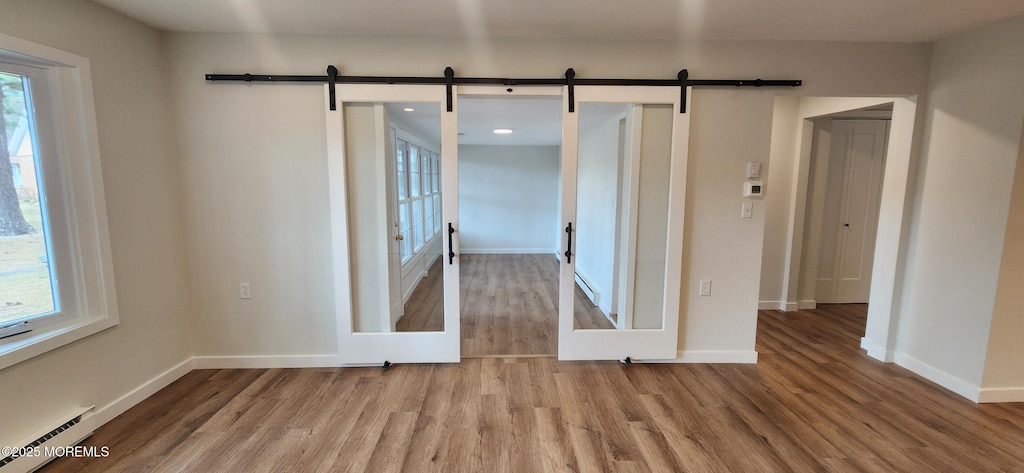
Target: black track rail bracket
[449,80]
[332,78]
[683,76]
[570,80]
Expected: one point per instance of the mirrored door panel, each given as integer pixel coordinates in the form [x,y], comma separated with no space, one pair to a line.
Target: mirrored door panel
[621,215]
[395,210]
[624,177]
[390,199]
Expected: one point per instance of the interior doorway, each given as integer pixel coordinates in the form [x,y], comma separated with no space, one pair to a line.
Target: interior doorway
[844,195]
[509,183]
[802,132]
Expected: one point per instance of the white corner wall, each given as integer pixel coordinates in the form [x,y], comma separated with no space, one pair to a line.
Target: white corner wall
[1004,380]
[150,347]
[1004,372]
[777,202]
[508,199]
[969,153]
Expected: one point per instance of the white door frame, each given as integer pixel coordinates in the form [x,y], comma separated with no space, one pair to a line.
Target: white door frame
[362,348]
[611,344]
[891,244]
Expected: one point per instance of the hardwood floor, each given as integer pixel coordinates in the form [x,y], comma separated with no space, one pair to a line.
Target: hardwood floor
[814,402]
[424,311]
[509,305]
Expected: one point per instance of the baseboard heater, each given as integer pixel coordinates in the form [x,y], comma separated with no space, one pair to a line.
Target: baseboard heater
[42,448]
[594,296]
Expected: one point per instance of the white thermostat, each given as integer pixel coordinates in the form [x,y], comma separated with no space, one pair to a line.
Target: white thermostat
[753,189]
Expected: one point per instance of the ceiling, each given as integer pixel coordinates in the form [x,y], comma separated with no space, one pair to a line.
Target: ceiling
[533,121]
[831,20]
[538,121]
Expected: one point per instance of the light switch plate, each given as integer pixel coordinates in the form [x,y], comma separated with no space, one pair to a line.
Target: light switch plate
[753,169]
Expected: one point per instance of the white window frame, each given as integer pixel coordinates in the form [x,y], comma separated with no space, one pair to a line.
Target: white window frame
[428,158]
[79,242]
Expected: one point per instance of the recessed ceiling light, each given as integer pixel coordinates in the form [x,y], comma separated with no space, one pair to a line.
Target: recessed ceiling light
[409,109]
[502,131]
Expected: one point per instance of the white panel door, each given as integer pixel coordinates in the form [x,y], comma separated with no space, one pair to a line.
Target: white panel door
[856,164]
[652,248]
[363,232]
[862,198]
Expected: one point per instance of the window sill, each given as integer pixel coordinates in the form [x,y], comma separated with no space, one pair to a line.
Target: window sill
[19,348]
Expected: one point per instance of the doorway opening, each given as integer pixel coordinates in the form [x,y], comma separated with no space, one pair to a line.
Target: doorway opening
[844,195]
[845,164]
[509,205]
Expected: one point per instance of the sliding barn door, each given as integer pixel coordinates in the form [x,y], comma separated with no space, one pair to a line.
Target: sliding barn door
[624,159]
[392,165]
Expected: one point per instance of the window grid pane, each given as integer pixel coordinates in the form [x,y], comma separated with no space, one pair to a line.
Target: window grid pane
[414,171]
[436,172]
[403,229]
[428,211]
[437,212]
[400,165]
[417,226]
[427,169]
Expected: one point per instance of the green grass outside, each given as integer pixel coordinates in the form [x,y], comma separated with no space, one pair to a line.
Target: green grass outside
[24,280]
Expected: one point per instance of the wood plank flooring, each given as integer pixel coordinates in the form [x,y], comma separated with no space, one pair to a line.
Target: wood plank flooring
[509,305]
[814,402]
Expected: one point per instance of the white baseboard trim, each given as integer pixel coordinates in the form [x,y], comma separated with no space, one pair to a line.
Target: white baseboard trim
[710,356]
[506,251]
[939,377]
[876,352]
[412,287]
[778,305]
[120,405]
[807,305]
[989,395]
[264,362]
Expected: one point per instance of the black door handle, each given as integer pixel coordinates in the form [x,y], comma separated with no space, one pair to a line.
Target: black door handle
[451,252]
[568,251]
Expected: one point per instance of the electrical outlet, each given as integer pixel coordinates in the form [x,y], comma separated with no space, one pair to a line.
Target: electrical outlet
[243,291]
[705,287]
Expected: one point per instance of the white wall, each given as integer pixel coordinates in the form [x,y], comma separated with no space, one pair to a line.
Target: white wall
[652,216]
[369,244]
[969,151]
[777,172]
[821,226]
[226,150]
[1005,348]
[596,206]
[508,199]
[140,177]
